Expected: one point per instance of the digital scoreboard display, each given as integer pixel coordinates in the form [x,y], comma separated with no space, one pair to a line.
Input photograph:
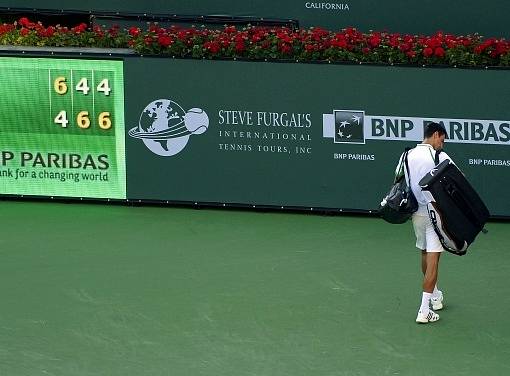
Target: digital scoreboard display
[62,128]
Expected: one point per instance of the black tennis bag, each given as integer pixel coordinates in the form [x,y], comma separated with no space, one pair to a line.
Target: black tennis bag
[399,204]
[457,213]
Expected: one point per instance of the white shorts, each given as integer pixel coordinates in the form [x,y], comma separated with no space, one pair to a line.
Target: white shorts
[426,237]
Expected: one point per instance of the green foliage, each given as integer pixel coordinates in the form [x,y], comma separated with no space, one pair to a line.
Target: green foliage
[265,43]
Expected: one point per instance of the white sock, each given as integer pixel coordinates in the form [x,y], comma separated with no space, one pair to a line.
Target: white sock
[425,301]
[436,293]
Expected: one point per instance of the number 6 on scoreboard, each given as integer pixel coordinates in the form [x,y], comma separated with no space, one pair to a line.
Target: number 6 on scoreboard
[104,120]
[60,85]
[83,120]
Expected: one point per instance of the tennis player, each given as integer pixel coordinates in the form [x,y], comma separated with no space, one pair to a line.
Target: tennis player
[421,160]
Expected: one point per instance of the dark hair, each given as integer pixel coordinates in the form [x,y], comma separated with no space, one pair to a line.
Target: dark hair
[432,128]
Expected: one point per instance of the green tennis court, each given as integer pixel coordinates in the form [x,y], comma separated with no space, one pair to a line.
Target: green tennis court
[110,290]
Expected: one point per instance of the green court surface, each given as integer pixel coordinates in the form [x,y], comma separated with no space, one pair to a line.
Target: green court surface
[89,289]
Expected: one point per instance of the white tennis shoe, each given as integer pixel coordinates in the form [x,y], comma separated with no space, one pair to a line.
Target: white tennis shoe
[437,302]
[431,316]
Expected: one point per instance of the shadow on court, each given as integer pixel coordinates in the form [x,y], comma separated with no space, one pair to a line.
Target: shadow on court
[114,290]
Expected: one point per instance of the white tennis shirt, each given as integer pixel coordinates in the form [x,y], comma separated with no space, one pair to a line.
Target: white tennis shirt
[421,161]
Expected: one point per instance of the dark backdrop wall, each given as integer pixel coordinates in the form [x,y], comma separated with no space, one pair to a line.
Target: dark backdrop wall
[305,135]
[488,18]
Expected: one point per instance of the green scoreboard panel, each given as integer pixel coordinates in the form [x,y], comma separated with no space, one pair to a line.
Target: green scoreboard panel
[62,127]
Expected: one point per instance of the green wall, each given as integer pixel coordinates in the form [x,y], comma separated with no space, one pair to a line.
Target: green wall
[488,18]
[271,130]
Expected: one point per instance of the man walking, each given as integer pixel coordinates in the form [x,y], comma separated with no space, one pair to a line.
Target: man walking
[421,160]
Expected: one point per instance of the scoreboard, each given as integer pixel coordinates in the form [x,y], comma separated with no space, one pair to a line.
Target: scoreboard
[62,127]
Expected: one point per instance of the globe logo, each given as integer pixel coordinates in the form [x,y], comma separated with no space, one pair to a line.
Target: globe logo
[165,128]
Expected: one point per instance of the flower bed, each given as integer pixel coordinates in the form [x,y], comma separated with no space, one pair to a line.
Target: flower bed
[271,43]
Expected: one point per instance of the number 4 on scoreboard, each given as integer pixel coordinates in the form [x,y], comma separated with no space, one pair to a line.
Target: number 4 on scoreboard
[104,87]
[83,86]
[61,119]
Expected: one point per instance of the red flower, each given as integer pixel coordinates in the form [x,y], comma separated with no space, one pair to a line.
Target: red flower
[98,31]
[134,31]
[351,33]
[239,38]
[80,28]
[340,43]
[375,40]
[24,32]
[408,39]
[6,28]
[404,47]
[434,42]
[230,29]
[50,31]
[284,37]
[240,47]
[502,47]
[411,54]
[114,30]
[285,48]
[214,47]
[153,28]
[182,35]
[45,33]
[25,22]
[318,34]
[165,40]
[428,52]
[225,42]
[394,40]
[439,52]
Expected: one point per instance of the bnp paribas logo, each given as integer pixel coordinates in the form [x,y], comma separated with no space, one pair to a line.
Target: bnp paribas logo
[165,128]
[344,126]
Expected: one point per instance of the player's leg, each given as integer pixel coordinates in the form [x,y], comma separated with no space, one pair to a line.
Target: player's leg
[431,271]
[436,301]
[429,266]
[425,314]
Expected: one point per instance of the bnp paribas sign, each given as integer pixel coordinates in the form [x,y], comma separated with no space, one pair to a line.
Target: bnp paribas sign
[355,127]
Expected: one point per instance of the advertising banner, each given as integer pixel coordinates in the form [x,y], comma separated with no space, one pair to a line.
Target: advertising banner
[62,128]
[305,135]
